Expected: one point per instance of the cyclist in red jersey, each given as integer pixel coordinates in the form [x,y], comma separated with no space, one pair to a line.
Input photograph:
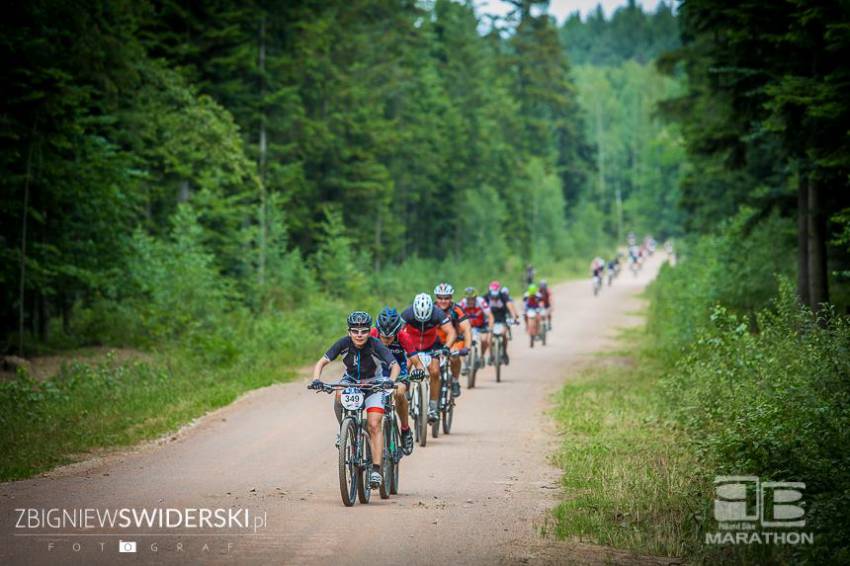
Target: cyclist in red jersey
[547,302]
[422,319]
[480,317]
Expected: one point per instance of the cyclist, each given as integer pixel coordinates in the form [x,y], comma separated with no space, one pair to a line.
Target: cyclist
[532,300]
[480,317]
[422,320]
[363,357]
[501,305]
[387,326]
[546,301]
[529,274]
[444,293]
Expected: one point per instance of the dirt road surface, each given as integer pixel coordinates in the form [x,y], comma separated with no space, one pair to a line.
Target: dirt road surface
[478,496]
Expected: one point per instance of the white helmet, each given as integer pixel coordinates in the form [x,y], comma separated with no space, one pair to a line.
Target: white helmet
[423,307]
[443,289]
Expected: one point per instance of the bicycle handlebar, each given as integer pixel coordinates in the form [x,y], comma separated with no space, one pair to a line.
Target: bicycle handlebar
[374,385]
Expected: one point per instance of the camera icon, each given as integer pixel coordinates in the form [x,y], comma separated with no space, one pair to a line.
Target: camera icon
[126,546]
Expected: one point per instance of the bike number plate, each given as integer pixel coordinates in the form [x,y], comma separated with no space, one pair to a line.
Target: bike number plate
[498,329]
[425,359]
[352,398]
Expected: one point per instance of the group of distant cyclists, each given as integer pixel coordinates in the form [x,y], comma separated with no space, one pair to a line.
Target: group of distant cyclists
[600,269]
[423,343]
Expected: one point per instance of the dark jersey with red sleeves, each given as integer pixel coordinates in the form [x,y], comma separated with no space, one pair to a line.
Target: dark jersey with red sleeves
[423,335]
[398,348]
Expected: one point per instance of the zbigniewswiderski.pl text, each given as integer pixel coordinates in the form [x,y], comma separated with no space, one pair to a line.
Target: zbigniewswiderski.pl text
[145,518]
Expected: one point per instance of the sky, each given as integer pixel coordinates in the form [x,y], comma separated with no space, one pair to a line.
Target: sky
[562,8]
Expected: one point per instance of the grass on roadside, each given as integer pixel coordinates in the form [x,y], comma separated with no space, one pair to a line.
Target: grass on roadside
[84,407]
[630,481]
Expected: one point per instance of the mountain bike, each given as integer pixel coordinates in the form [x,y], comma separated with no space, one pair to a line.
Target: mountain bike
[419,394]
[446,401]
[392,449]
[355,455]
[542,324]
[498,343]
[473,361]
[597,284]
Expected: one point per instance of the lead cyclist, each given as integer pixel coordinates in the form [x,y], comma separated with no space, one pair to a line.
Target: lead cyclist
[363,357]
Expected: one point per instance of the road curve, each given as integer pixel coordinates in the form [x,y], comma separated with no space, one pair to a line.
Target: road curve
[477,496]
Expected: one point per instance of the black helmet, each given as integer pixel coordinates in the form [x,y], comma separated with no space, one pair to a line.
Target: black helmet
[359,319]
[389,322]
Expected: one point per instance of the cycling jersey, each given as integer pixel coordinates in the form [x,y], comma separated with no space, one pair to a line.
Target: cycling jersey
[544,295]
[532,301]
[476,313]
[499,306]
[457,316]
[398,348]
[361,363]
[422,335]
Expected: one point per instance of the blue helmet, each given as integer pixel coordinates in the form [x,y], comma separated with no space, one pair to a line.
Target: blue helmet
[388,322]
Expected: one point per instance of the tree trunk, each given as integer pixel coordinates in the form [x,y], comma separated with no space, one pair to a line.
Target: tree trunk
[183,192]
[43,316]
[378,227]
[263,153]
[818,283]
[803,238]
[24,216]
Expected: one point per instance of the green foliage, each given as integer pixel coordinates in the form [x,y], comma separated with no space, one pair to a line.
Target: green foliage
[335,262]
[773,404]
[737,268]
[630,34]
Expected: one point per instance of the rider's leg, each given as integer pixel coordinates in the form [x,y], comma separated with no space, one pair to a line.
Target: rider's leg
[485,343]
[374,424]
[434,370]
[401,406]
[338,407]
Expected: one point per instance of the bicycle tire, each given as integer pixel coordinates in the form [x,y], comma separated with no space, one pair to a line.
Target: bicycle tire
[348,471]
[473,367]
[497,360]
[448,417]
[364,489]
[386,461]
[396,457]
[422,418]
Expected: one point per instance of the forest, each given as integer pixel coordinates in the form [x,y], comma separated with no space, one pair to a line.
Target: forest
[216,183]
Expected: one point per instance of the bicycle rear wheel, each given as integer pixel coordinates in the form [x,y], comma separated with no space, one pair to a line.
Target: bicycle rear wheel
[364,488]
[396,456]
[497,357]
[473,367]
[348,471]
[422,417]
[448,415]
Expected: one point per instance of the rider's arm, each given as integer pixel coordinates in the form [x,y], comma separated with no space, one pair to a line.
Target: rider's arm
[512,309]
[320,365]
[466,328]
[449,330]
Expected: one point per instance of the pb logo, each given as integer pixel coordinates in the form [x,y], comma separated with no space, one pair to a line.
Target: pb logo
[746,499]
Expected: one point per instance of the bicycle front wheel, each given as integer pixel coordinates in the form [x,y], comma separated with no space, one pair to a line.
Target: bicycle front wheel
[364,488]
[396,459]
[422,417]
[387,461]
[348,469]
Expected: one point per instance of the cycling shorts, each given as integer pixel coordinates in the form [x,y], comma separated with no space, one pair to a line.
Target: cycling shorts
[375,400]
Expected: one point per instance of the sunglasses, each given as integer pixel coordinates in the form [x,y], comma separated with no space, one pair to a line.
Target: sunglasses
[444,298]
[359,331]
[387,336]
